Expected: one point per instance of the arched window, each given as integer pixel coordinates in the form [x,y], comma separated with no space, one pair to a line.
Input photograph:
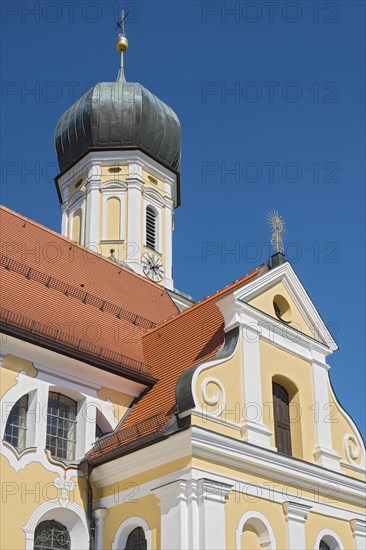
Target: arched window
[16,425]
[281,413]
[151,228]
[51,535]
[136,540]
[323,545]
[61,426]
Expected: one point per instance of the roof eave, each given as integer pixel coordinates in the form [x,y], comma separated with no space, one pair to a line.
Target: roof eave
[80,355]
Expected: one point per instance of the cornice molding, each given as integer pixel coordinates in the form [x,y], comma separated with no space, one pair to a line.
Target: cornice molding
[285,274]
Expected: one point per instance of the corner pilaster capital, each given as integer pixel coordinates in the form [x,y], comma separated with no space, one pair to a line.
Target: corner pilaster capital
[99,515]
[213,491]
[294,511]
[134,182]
[94,172]
[168,202]
[358,527]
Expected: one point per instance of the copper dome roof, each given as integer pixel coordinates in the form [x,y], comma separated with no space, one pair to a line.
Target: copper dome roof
[119,115]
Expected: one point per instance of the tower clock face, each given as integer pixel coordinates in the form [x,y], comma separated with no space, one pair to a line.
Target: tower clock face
[152,267]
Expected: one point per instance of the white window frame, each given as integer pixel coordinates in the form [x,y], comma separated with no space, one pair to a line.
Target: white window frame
[330,538]
[123,531]
[262,526]
[73,517]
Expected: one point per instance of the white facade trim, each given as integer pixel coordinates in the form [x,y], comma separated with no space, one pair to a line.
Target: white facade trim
[324,453]
[330,538]
[72,516]
[121,536]
[328,486]
[192,514]
[99,515]
[296,515]
[285,274]
[359,533]
[106,158]
[261,461]
[261,525]
[253,430]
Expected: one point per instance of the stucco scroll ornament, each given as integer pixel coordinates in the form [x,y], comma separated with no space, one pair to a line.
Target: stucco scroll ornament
[65,487]
[216,399]
[352,448]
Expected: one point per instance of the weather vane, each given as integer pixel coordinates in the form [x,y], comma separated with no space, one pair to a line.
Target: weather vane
[278,226]
[121,24]
[122,45]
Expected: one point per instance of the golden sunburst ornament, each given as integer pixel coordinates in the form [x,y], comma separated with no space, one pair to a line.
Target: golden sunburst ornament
[278,226]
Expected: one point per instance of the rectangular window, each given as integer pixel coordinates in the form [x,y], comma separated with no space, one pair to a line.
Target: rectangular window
[16,426]
[281,413]
[61,426]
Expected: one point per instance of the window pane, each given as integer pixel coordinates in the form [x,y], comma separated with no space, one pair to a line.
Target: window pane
[16,426]
[51,535]
[136,540]
[61,426]
[281,419]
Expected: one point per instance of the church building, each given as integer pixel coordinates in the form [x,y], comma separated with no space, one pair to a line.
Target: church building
[135,418]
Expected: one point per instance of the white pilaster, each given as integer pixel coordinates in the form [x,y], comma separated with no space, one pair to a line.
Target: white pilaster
[134,221]
[42,402]
[212,529]
[169,208]
[174,516]
[253,429]
[359,533]
[296,516]
[193,514]
[324,453]
[64,219]
[92,207]
[99,515]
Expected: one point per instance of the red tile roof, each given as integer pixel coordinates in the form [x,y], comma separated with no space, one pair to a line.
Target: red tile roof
[57,290]
[91,301]
[187,339]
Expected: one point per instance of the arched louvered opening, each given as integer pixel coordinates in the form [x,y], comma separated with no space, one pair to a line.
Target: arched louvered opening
[281,413]
[151,228]
[51,535]
[136,540]
[16,425]
[323,545]
[61,426]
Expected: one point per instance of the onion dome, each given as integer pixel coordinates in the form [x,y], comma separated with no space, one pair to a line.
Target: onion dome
[119,115]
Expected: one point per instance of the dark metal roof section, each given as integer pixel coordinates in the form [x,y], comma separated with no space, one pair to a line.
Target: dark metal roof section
[119,115]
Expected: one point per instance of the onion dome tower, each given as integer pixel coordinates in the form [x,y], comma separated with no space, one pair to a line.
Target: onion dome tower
[118,150]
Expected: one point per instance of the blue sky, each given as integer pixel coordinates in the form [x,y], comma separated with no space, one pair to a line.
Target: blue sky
[271,101]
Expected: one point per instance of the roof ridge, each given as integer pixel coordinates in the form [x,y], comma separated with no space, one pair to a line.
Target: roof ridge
[251,274]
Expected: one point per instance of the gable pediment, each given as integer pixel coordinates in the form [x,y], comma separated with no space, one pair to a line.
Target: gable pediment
[279,294]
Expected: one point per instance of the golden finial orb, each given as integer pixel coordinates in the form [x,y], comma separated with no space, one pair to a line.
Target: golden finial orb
[122,44]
